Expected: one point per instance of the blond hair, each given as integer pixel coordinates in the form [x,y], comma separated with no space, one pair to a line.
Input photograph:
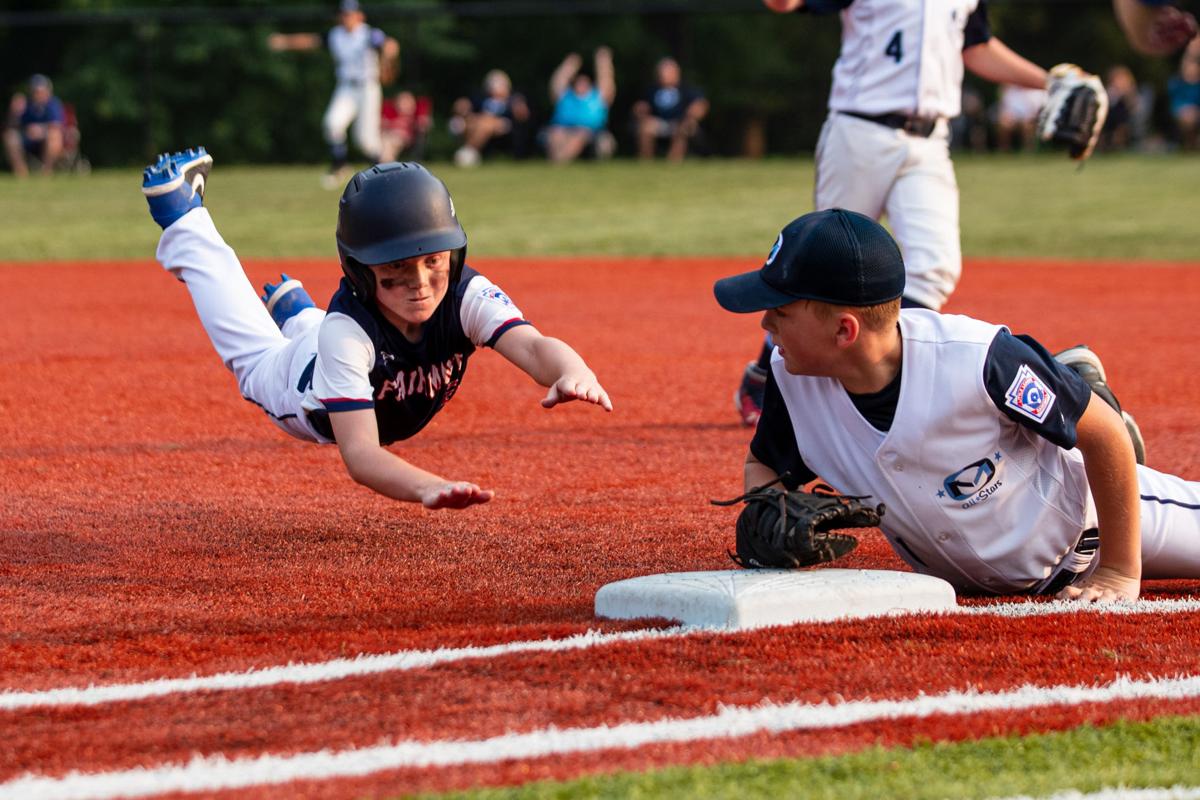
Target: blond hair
[874,318]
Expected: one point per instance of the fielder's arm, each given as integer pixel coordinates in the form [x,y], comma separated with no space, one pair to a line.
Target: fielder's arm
[994,61]
[1111,469]
[376,468]
[783,6]
[552,363]
[756,473]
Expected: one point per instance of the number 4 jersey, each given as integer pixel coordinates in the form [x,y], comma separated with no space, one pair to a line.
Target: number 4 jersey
[903,56]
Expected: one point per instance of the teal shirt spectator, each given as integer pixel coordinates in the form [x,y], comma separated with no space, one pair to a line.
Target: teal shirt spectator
[1182,93]
[576,111]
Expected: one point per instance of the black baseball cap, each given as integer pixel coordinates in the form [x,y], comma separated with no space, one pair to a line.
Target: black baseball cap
[835,256]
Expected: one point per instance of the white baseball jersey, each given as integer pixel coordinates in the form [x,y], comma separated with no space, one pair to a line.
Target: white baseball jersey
[903,56]
[356,53]
[972,496]
[1020,502]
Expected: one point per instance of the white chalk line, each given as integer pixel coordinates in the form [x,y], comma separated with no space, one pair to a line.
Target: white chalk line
[218,772]
[404,660]
[1121,793]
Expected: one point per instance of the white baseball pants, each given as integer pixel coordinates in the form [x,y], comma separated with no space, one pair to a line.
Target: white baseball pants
[267,362]
[1170,509]
[873,169]
[358,103]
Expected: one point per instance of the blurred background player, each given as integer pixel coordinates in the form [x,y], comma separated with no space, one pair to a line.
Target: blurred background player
[404,125]
[361,54]
[884,148]
[394,345]
[581,108]
[497,116]
[670,112]
[35,128]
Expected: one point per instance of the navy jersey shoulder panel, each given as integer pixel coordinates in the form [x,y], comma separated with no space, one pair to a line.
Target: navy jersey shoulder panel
[823,6]
[1010,360]
[977,30]
[774,442]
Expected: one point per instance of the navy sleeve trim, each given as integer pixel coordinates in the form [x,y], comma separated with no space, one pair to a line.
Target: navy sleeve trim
[336,404]
[977,30]
[1034,390]
[505,328]
[823,6]
[774,442]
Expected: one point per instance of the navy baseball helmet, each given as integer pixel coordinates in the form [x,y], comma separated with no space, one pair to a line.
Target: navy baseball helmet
[394,211]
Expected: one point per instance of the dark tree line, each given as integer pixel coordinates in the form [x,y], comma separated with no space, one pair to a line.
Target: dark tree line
[146,75]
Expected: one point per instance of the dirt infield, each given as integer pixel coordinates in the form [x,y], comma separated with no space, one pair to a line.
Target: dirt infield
[154,525]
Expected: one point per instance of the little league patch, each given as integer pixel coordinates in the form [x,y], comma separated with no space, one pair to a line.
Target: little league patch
[1028,395]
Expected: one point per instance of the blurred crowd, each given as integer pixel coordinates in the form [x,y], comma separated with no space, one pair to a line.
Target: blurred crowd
[665,119]
[1141,115]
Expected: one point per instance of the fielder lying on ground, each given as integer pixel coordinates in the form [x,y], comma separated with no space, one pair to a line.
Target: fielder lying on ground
[1003,469]
[392,348]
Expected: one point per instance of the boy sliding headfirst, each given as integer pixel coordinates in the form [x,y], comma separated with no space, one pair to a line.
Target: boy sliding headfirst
[392,348]
[1001,469]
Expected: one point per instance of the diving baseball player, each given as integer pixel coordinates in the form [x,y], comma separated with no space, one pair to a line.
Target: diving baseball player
[394,345]
[885,146]
[358,52]
[1002,468]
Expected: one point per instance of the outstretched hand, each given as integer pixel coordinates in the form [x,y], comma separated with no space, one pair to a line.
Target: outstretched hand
[568,388]
[1105,585]
[455,495]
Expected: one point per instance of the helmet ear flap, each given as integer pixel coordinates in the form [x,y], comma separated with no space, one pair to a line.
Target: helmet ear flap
[362,279]
[457,259]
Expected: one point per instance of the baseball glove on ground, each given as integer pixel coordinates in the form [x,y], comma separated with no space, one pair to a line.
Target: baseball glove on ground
[1076,106]
[778,528]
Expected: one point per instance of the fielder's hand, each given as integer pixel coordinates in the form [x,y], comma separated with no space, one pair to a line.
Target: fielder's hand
[1105,585]
[783,6]
[454,495]
[569,387]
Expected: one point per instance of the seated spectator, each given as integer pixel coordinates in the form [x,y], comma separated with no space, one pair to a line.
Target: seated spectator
[670,112]
[1016,116]
[581,108]
[404,122]
[969,130]
[35,128]
[1183,91]
[1124,109]
[496,117]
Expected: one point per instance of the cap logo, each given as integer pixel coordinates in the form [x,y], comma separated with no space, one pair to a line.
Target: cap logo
[451,199]
[774,250]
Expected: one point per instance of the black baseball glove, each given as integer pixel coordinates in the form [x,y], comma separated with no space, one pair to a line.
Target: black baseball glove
[783,529]
[1075,110]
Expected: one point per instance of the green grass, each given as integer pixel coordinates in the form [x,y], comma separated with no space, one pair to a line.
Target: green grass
[1117,207]
[1161,753]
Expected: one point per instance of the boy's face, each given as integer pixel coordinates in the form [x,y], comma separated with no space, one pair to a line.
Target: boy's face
[805,339]
[413,288]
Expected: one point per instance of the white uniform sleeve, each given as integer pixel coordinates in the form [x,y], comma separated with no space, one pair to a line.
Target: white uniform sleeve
[345,355]
[487,312]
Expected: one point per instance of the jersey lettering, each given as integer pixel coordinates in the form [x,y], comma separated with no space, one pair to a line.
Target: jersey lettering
[895,47]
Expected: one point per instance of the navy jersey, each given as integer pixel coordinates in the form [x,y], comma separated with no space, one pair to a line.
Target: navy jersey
[410,382]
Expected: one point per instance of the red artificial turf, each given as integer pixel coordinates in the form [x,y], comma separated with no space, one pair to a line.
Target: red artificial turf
[153,524]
